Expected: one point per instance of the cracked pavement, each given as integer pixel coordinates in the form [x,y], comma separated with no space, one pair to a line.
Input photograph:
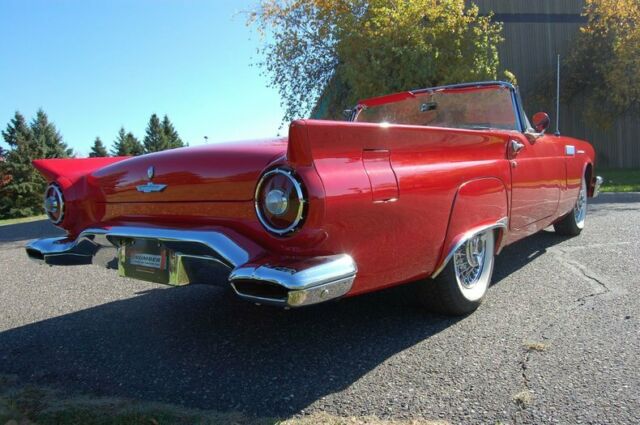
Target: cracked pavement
[556,341]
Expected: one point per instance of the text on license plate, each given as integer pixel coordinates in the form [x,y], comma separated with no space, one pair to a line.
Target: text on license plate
[147,260]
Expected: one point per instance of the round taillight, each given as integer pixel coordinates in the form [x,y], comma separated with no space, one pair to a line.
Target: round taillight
[54,203]
[280,202]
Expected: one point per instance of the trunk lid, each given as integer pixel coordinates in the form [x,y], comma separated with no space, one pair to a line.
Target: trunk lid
[216,172]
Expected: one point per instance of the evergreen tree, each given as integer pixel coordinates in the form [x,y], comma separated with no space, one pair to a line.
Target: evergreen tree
[126,144]
[119,147]
[173,139]
[17,131]
[21,192]
[155,139]
[46,135]
[98,149]
[5,178]
[135,147]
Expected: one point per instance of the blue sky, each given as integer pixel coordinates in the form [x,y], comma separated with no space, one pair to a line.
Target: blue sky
[94,66]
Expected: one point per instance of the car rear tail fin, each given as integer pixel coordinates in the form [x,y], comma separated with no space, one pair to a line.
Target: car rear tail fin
[72,168]
[312,140]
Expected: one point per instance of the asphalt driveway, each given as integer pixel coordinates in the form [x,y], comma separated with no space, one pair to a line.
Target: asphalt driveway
[557,341]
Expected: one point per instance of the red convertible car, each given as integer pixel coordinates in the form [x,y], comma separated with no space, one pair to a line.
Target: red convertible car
[423,185]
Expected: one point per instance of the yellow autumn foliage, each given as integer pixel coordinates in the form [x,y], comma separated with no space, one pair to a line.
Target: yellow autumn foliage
[366,48]
[605,63]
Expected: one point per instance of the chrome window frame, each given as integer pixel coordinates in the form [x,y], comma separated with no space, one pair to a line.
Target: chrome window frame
[521,121]
[520,112]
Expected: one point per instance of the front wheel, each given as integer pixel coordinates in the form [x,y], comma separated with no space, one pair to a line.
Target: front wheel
[573,223]
[461,286]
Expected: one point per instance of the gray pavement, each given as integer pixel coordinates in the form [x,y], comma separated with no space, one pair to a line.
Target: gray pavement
[557,340]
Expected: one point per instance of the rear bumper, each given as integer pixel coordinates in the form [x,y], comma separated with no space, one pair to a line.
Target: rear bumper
[253,274]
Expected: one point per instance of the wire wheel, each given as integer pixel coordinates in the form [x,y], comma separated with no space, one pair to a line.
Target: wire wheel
[580,210]
[473,264]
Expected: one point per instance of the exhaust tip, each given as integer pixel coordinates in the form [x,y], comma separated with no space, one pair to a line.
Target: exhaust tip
[34,254]
[260,291]
[295,282]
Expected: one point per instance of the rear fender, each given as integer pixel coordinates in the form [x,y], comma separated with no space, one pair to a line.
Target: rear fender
[70,175]
[479,205]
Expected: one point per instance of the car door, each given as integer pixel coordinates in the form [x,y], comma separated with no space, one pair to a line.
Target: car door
[537,177]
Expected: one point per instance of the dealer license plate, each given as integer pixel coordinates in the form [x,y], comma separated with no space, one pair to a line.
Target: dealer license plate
[144,259]
[147,260]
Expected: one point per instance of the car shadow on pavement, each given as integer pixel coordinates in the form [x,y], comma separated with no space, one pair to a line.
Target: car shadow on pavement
[515,256]
[31,230]
[199,346]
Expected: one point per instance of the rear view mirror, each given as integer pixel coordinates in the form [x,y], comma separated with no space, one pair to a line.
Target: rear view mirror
[541,122]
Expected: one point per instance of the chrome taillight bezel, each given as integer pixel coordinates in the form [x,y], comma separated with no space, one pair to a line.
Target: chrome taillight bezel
[300,193]
[54,191]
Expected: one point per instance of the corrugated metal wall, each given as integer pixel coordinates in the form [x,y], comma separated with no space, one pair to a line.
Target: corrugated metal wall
[535,32]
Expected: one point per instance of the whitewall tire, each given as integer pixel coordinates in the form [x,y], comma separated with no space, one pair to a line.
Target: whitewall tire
[461,286]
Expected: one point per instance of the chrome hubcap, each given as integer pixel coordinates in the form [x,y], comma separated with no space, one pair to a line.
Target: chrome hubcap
[469,261]
[51,205]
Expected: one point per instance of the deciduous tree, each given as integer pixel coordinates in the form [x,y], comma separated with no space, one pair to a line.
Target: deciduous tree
[604,64]
[371,47]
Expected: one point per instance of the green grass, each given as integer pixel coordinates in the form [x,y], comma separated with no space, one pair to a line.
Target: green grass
[8,221]
[620,179]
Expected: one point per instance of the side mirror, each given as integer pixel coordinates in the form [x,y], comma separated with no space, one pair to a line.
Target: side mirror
[541,122]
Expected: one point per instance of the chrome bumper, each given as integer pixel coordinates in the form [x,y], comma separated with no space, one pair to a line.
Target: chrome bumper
[252,274]
[596,186]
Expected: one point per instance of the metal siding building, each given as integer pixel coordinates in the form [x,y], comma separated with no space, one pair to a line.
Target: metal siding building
[535,32]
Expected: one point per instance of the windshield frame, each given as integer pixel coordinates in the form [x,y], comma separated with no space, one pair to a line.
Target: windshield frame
[516,103]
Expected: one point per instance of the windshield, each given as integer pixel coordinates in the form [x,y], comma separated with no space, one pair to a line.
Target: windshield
[475,108]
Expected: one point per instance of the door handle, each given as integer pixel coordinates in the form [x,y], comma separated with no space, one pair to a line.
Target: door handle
[516,146]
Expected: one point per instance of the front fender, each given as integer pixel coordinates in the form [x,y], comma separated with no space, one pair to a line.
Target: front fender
[479,205]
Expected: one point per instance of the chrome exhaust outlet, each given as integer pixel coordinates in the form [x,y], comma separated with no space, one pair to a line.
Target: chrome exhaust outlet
[62,251]
[296,283]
